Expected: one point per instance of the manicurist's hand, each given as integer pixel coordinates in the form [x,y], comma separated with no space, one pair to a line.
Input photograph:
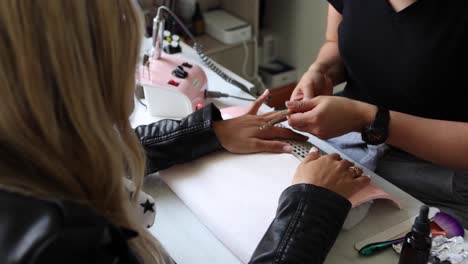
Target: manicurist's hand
[330,172]
[243,135]
[313,83]
[330,116]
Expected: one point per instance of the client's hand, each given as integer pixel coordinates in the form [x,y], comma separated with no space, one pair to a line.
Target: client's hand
[242,135]
[330,172]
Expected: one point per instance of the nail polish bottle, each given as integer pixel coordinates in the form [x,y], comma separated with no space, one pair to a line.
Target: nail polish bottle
[418,242]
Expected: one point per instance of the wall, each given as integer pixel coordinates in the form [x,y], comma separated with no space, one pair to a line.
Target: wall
[300,26]
[186,8]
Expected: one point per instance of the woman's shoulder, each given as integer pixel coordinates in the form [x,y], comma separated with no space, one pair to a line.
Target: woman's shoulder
[25,217]
[46,230]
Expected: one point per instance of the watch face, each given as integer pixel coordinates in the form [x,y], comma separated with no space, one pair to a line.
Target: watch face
[374,136]
[377,132]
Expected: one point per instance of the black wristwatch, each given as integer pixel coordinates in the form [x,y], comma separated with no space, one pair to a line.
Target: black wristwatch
[377,132]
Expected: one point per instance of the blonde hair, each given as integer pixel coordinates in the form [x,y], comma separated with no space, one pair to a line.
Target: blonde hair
[66,83]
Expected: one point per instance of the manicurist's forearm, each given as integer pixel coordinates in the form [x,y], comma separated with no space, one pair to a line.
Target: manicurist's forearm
[441,142]
[328,59]
[329,62]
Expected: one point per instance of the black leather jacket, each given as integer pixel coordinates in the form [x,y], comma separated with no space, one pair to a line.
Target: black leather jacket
[306,225]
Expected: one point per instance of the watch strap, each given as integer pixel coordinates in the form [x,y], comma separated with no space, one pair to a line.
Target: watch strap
[382,118]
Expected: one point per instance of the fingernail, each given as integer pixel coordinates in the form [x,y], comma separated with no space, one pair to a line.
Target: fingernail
[287,149]
[288,103]
[266,92]
[314,150]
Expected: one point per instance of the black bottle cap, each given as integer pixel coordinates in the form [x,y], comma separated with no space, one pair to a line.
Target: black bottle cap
[179,72]
[422,224]
[187,65]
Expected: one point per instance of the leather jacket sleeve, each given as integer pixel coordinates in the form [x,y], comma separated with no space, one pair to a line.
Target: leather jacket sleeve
[307,223]
[170,142]
[45,231]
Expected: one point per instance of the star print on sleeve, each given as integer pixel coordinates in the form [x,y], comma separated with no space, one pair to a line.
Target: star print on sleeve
[143,207]
[147,206]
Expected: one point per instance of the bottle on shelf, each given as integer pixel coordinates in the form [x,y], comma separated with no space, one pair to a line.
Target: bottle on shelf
[417,243]
[197,21]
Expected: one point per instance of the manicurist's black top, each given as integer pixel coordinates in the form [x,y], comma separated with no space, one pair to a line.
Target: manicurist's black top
[413,61]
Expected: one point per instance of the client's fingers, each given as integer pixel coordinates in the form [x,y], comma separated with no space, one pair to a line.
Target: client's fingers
[335,156]
[258,103]
[361,182]
[278,116]
[358,170]
[346,164]
[283,133]
[271,146]
[314,154]
[268,115]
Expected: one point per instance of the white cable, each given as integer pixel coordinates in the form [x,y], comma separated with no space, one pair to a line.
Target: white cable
[258,78]
[196,46]
[177,19]
[246,59]
[255,75]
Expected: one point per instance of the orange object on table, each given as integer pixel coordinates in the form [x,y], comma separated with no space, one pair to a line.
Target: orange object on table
[278,96]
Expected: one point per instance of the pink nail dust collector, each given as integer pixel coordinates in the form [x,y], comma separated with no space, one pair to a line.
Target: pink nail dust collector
[173,86]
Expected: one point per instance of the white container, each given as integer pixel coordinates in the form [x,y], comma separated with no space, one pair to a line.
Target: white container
[269,47]
[226,28]
[277,74]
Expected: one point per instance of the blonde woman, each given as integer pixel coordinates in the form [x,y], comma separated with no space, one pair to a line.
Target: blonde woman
[67,148]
